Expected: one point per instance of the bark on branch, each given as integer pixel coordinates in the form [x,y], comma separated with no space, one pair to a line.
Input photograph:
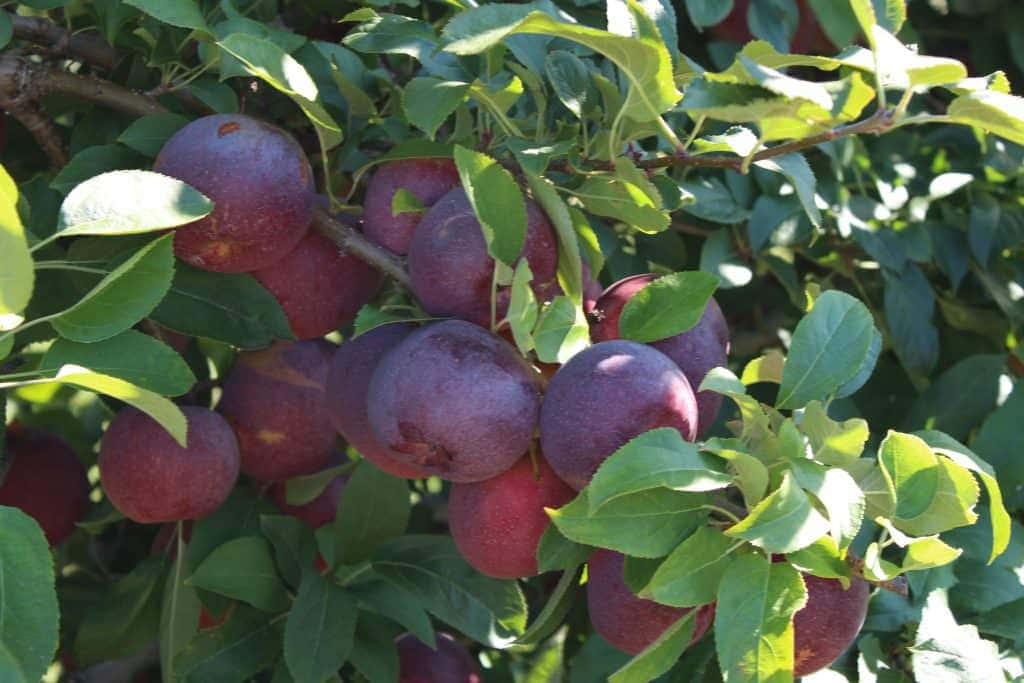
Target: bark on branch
[87,47]
[351,240]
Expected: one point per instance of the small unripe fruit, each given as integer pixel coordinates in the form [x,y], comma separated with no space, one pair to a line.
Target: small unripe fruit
[150,478]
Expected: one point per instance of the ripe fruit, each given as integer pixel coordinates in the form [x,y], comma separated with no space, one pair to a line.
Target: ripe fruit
[426,179]
[452,272]
[319,287]
[449,663]
[348,382]
[46,481]
[261,184]
[150,478]
[828,623]
[628,622]
[697,350]
[605,396]
[497,523]
[274,400]
[317,512]
[456,400]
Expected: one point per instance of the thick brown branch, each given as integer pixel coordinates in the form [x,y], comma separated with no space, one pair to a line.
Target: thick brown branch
[88,47]
[41,127]
[351,240]
[24,80]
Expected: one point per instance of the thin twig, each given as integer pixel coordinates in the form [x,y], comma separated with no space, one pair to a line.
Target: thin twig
[349,239]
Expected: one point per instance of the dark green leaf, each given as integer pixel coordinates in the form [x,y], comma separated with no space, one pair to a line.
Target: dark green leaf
[246,644]
[690,575]
[179,610]
[93,161]
[570,79]
[431,569]
[294,545]
[555,609]
[373,508]
[229,307]
[375,654]
[183,13]
[243,569]
[555,551]
[148,134]
[960,398]
[319,632]
[659,656]
[428,102]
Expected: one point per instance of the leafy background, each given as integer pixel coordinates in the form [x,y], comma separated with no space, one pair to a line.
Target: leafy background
[922,224]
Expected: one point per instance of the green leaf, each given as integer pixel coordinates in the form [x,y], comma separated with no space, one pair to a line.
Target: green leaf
[798,172]
[319,632]
[829,346]
[955,497]
[246,644]
[690,575]
[838,493]
[398,605]
[182,13]
[645,524]
[946,651]
[148,134]
[625,197]
[428,102]
[522,308]
[132,356]
[122,298]
[281,71]
[834,443]
[783,522]
[836,19]
[659,656]
[713,201]
[374,653]
[128,202]
[179,611]
[966,458]
[18,275]
[668,306]
[431,569]
[900,67]
[555,551]
[659,458]
[154,405]
[959,399]
[570,79]
[643,60]
[93,161]
[753,619]
[926,553]
[243,569]
[995,112]
[751,474]
[912,470]
[570,265]
[497,202]
[562,331]
[374,507]
[306,488]
[909,307]
[558,604]
[822,558]
[125,618]
[229,307]
[708,12]
[28,600]
[294,545]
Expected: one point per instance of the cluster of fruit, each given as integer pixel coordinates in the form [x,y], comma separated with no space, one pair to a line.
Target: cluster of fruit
[450,398]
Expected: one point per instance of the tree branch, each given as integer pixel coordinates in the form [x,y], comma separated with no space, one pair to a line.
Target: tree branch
[90,48]
[349,239]
[23,80]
